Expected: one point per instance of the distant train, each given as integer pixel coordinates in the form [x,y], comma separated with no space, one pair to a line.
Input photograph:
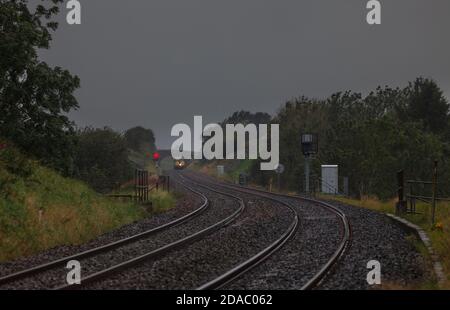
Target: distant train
[180,164]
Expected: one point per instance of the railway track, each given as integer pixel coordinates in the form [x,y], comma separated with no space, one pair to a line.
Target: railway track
[23,274]
[157,253]
[238,270]
[314,281]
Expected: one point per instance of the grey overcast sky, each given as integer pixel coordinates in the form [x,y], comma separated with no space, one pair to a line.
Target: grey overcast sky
[155,63]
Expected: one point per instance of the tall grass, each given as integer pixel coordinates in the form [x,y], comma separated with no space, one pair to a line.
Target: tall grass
[43,209]
[162,201]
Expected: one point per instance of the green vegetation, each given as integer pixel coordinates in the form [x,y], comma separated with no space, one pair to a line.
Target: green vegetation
[140,140]
[244,166]
[40,209]
[370,138]
[35,98]
[101,159]
[162,201]
[141,146]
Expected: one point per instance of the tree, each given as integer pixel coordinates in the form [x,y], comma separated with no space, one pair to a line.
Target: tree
[34,98]
[245,117]
[140,139]
[102,159]
[427,104]
[370,138]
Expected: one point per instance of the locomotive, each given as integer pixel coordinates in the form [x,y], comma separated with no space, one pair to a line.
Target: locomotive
[180,164]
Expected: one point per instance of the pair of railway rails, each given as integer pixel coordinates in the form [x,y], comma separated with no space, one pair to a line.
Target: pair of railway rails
[194,186]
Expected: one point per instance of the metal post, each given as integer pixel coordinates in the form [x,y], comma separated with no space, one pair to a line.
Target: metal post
[412,200]
[278,182]
[135,184]
[400,207]
[307,174]
[146,186]
[140,186]
[138,180]
[400,185]
[346,190]
[433,208]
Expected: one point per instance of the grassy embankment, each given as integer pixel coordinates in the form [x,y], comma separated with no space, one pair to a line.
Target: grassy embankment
[161,200]
[39,209]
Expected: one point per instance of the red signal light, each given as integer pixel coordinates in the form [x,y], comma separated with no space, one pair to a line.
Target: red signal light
[156,156]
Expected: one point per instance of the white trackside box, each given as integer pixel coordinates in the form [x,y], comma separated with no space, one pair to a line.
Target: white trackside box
[330,179]
[220,170]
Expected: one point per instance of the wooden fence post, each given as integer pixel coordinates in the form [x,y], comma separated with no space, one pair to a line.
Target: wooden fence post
[433,201]
[401,205]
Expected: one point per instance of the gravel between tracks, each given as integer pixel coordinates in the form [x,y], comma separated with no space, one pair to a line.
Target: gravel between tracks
[261,223]
[374,237]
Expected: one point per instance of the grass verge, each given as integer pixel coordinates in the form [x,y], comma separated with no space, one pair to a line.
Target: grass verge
[162,201]
[39,209]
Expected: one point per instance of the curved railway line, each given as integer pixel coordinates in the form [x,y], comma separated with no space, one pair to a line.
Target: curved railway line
[227,275]
[20,275]
[260,257]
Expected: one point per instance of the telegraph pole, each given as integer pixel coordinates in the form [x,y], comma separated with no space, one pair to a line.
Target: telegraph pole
[307,172]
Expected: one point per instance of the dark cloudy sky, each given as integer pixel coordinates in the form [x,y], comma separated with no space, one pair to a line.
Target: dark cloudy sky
[159,62]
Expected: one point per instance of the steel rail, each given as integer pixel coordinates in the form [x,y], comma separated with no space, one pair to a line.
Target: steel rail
[343,245]
[157,253]
[342,248]
[110,246]
[261,256]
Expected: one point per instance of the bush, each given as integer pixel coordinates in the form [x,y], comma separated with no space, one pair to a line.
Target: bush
[101,159]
